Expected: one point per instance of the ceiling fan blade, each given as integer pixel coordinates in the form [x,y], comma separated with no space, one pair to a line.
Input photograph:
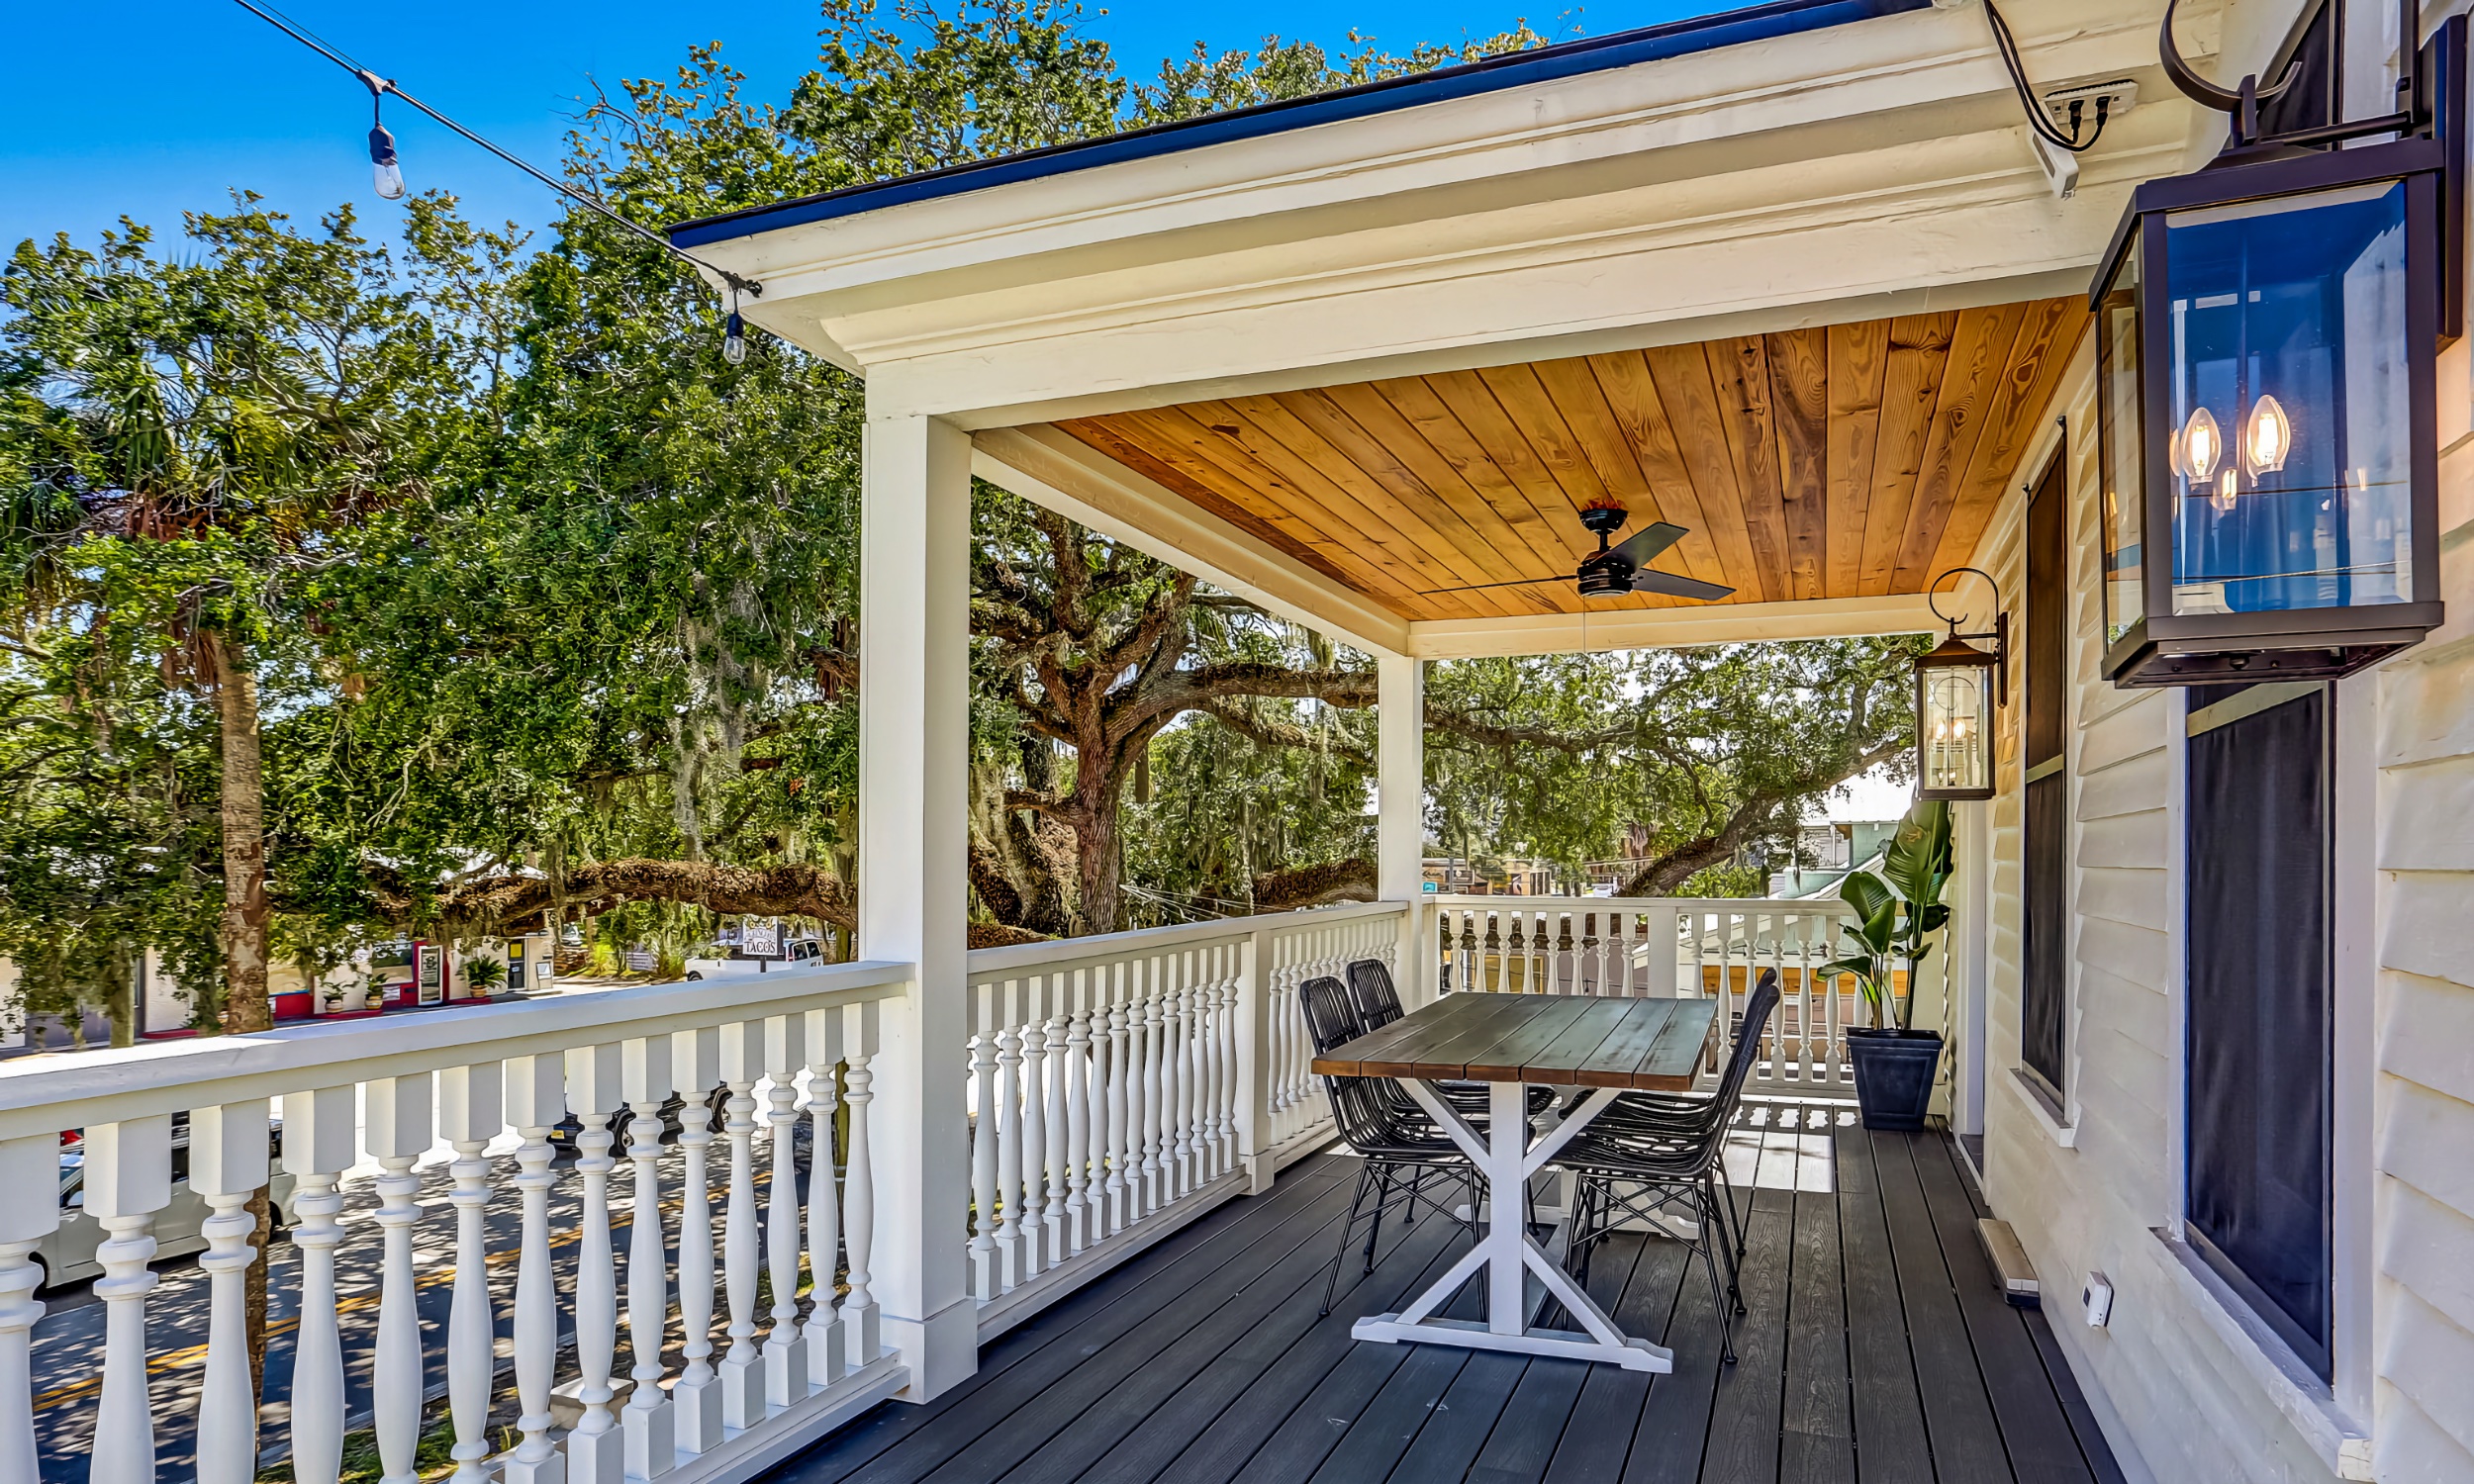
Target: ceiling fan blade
[1643,546]
[1526,581]
[1679,586]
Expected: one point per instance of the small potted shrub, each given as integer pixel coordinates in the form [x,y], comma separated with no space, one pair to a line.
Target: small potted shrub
[484,975]
[1895,919]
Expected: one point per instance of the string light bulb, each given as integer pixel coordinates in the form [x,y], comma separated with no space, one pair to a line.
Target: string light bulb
[384,173]
[2268,437]
[735,335]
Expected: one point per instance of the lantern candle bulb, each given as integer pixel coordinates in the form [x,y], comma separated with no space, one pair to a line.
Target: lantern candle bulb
[2268,438]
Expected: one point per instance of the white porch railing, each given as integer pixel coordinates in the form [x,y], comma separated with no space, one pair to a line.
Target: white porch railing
[1121,1085]
[1118,1087]
[393,1090]
[1670,946]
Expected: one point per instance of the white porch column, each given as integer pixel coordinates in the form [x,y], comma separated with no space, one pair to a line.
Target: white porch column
[915,623]
[1400,831]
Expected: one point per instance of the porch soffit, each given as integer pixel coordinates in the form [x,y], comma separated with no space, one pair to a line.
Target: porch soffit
[1847,462]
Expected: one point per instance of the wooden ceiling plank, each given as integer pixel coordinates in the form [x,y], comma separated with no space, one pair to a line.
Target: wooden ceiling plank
[2048,342]
[1386,428]
[1681,375]
[1623,377]
[1098,434]
[1379,483]
[1177,438]
[1739,369]
[1799,411]
[1439,427]
[1494,434]
[1858,359]
[1413,550]
[1969,385]
[1911,384]
[1541,424]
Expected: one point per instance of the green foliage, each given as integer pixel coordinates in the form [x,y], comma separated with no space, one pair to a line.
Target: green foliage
[1896,917]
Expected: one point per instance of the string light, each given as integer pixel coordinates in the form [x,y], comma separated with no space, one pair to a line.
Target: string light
[388,175]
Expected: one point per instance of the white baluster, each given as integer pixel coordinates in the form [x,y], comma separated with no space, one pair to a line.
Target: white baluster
[1148,1188]
[742,1370]
[597,1449]
[318,1132]
[1119,1189]
[536,1101]
[1081,1092]
[128,1177]
[1059,1144]
[648,1425]
[398,1128]
[695,1402]
[861,1319]
[1214,1080]
[986,1269]
[1035,1157]
[28,1164]
[1006,1118]
[227,1166]
[828,1351]
[472,1102]
[1178,1140]
[786,1359]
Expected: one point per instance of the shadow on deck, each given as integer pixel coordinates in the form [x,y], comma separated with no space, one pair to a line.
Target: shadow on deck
[1876,1350]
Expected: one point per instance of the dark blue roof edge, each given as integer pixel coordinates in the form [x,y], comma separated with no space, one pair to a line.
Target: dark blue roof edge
[1511,69]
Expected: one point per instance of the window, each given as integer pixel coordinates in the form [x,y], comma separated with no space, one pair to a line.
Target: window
[2044,981]
[2259,982]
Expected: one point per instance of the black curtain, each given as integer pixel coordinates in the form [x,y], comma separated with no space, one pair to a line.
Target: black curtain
[2257,1025]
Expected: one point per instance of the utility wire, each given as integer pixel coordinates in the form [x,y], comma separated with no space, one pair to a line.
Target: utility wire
[381,85]
[2038,119]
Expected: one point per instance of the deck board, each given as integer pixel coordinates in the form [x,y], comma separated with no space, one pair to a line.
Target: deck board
[1875,1350]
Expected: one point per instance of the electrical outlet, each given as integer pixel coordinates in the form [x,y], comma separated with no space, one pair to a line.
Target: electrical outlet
[2099,1299]
[2116,98]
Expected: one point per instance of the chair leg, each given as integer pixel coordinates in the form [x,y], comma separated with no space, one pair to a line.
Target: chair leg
[1718,1306]
[1725,1248]
[1375,1231]
[1331,1282]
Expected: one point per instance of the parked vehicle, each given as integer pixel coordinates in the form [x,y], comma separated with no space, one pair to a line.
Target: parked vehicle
[718,964]
[67,1255]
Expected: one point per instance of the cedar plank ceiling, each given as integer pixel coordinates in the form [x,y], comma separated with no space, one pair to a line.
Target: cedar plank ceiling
[1853,460]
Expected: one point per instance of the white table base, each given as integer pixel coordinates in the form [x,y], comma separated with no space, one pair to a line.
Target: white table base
[1507,1252]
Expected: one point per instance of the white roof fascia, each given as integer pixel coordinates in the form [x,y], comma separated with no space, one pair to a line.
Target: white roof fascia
[904,282]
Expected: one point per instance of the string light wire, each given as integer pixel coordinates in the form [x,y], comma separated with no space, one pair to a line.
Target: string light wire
[385,87]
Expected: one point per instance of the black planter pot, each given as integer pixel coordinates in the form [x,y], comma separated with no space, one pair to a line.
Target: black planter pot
[1894,1076]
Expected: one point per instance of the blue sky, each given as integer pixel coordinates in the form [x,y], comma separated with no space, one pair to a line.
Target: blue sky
[153,107]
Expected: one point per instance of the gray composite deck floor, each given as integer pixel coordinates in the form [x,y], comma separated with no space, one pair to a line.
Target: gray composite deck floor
[1876,1350]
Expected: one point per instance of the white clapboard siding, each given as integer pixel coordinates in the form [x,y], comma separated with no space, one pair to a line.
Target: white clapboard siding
[2424,1295]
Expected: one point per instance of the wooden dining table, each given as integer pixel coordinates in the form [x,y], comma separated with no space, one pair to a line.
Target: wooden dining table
[1513,1042]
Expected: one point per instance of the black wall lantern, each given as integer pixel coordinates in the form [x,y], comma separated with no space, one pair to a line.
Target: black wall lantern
[2265,332]
[1959,688]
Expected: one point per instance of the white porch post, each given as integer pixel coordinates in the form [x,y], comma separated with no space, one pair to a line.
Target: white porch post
[1400,831]
[913,760]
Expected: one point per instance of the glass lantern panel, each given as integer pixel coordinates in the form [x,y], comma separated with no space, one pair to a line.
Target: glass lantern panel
[2291,437]
[2122,445]
[1954,721]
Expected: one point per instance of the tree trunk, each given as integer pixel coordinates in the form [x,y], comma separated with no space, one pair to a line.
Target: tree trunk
[245,1006]
[1099,862]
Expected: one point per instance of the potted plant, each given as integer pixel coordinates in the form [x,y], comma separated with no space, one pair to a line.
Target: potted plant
[1895,919]
[484,974]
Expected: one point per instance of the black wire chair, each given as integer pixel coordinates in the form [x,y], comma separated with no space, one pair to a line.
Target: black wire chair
[1403,1149]
[1640,1165]
[1378,1005]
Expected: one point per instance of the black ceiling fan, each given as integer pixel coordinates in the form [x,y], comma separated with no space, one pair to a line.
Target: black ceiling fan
[1610,572]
